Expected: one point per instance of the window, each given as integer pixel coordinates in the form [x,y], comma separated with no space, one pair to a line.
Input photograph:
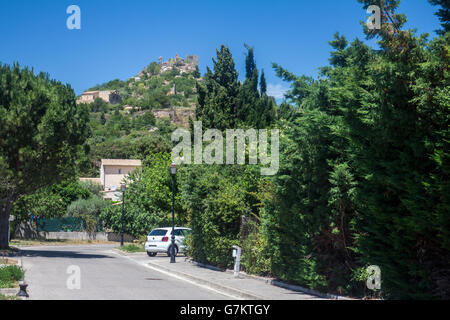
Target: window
[179,233]
[158,232]
[182,232]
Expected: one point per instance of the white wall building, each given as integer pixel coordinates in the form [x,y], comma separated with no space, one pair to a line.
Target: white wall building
[114,173]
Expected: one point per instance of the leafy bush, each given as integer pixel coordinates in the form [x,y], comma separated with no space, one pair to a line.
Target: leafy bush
[10,275]
[92,206]
[255,258]
[215,199]
[89,210]
[94,188]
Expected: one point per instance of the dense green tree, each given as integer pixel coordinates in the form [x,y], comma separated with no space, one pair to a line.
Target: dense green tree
[225,103]
[218,95]
[70,190]
[197,73]
[43,203]
[263,84]
[396,118]
[99,106]
[248,97]
[361,157]
[391,21]
[145,121]
[103,119]
[340,56]
[42,135]
[250,64]
[154,68]
[313,249]
[443,14]
[215,198]
[52,201]
[115,84]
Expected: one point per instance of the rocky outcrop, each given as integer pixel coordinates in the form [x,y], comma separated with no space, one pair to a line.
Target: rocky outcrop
[187,65]
[179,116]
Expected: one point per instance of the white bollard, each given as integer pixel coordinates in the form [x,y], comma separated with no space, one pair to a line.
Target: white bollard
[237,260]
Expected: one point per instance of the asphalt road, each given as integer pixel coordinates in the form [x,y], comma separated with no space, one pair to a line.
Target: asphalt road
[52,274]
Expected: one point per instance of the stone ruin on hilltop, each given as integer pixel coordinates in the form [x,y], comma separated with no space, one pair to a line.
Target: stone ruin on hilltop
[187,65]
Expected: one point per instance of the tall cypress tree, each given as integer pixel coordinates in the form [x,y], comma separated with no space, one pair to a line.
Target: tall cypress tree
[250,64]
[218,95]
[224,103]
[248,94]
[263,84]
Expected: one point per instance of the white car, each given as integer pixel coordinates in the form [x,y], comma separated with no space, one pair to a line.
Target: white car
[160,240]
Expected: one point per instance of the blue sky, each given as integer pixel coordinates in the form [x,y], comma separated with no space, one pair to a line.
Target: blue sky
[119,38]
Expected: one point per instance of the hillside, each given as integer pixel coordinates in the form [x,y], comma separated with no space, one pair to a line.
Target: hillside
[159,85]
[130,118]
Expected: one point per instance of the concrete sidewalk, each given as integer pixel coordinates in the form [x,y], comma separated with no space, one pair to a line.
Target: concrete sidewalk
[244,287]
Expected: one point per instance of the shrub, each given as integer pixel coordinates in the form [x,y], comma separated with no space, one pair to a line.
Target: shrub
[92,206]
[255,259]
[215,198]
[94,188]
[10,275]
[89,210]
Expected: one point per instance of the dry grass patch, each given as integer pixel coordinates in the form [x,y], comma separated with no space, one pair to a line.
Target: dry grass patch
[8,261]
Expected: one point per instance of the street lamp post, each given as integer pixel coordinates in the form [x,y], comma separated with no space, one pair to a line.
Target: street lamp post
[122,188]
[173,172]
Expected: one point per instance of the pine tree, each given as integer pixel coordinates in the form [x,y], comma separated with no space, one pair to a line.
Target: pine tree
[339,57]
[43,133]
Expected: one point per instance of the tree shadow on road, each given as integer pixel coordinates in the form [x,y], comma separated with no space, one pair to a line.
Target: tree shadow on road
[62,254]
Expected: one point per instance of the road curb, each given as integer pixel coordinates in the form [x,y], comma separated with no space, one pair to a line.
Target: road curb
[126,254]
[9,291]
[308,291]
[230,291]
[206,266]
[275,282]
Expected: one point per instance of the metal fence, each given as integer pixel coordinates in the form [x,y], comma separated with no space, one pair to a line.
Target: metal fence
[69,224]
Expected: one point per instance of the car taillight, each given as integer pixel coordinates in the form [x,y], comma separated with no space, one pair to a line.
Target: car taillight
[165,239]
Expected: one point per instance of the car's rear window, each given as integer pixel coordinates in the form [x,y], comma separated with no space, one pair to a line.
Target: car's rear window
[158,232]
